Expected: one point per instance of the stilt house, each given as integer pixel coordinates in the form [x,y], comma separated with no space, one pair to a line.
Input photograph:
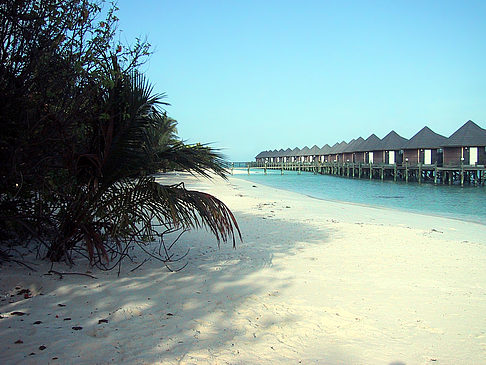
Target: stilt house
[324,153]
[466,146]
[365,152]
[392,148]
[424,147]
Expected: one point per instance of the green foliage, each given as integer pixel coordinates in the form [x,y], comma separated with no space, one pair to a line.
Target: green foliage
[83,134]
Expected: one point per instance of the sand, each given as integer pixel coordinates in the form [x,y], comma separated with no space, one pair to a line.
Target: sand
[313,282]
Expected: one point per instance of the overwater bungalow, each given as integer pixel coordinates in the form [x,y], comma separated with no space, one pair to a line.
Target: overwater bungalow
[314,153]
[287,154]
[346,152]
[273,156]
[366,151]
[279,155]
[339,151]
[424,147]
[260,158]
[304,154]
[392,148]
[324,153]
[349,153]
[294,156]
[332,155]
[466,146]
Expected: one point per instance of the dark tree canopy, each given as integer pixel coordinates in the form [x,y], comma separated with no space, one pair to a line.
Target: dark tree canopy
[82,135]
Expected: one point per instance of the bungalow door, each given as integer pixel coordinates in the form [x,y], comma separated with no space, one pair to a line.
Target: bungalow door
[473,155]
[428,157]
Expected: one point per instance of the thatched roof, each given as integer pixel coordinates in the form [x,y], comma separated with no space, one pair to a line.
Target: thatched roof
[334,148]
[393,141]
[425,138]
[341,147]
[469,135]
[287,152]
[295,152]
[353,145]
[350,143]
[271,153]
[372,143]
[279,153]
[314,151]
[304,151]
[324,150]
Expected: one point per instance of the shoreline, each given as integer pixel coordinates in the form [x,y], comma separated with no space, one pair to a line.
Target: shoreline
[399,209]
[313,282]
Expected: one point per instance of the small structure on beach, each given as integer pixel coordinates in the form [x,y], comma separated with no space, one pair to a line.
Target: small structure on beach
[392,148]
[424,148]
[466,146]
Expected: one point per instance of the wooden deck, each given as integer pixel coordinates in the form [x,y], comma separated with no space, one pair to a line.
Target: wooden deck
[470,175]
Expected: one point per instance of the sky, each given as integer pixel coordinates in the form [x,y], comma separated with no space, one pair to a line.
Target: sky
[247,76]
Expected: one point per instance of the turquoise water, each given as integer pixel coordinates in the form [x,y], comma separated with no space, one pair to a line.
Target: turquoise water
[465,203]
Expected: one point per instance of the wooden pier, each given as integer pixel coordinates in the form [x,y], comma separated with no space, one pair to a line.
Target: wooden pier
[457,175]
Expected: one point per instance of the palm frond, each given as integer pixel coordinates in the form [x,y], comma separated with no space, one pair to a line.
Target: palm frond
[197,159]
[145,200]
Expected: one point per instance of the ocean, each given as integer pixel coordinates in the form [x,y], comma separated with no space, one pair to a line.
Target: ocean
[466,203]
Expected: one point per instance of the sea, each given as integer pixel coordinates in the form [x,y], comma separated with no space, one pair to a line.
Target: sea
[466,203]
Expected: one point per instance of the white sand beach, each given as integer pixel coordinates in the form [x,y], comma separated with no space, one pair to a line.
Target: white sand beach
[313,282]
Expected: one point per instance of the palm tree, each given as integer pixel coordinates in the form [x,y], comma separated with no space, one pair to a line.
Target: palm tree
[116,201]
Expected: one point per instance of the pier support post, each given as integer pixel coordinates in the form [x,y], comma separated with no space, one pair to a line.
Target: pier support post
[406,172]
[450,177]
[265,168]
[359,171]
[462,175]
[281,168]
[382,173]
[435,174]
[299,168]
[420,173]
[371,171]
[395,172]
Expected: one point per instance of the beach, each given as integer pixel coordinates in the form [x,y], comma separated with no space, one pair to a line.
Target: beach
[312,282]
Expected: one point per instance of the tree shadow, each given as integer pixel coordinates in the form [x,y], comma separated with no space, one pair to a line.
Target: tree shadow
[219,306]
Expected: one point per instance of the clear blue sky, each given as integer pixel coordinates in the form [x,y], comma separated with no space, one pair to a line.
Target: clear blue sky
[255,75]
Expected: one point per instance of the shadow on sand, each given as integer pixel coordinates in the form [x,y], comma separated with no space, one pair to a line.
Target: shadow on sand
[211,310]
